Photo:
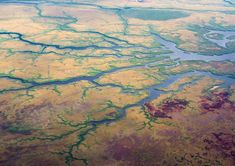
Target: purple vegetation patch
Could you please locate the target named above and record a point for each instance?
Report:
(216, 101)
(168, 106)
(136, 151)
(223, 143)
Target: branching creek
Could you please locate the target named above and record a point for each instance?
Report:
(90, 125)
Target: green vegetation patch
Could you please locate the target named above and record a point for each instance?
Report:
(215, 36)
(19, 129)
(153, 14)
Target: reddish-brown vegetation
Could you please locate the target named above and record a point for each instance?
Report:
(215, 101)
(223, 143)
(166, 107)
(136, 150)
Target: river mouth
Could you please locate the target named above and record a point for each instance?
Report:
(153, 14)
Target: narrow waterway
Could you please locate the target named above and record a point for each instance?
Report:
(224, 37)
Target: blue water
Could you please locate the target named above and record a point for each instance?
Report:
(183, 55)
(226, 35)
(153, 93)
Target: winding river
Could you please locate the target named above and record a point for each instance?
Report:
(153, 91)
